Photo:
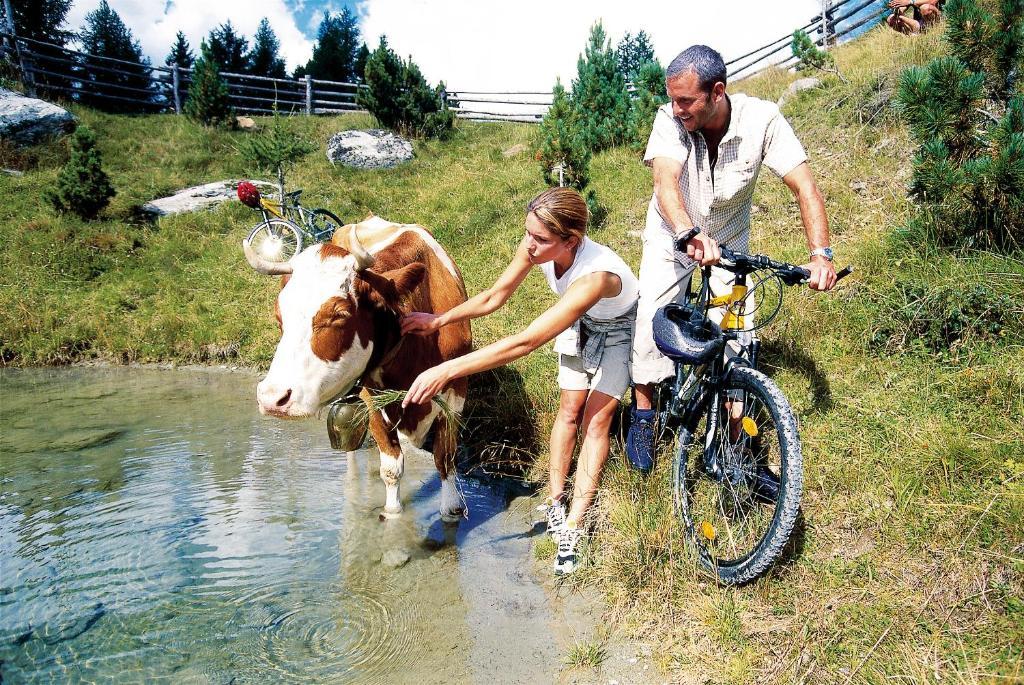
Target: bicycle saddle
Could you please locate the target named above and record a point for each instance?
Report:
(682, 333)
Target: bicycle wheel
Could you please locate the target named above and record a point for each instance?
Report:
(322, 224)
(276, 240)
(738, 477)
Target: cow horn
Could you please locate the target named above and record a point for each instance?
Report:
(262, 265)
(364, 260)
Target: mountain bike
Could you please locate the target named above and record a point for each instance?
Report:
(737, 475)
(287, 226)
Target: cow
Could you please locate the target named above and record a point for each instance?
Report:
(338, 310)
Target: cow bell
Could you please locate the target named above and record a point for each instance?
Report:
(346, 423)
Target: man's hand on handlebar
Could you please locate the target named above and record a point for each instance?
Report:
(702, 249)
(823, 274)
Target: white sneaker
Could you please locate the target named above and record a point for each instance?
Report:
(565, 559)
(556, 516)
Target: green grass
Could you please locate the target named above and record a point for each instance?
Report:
(908, 565)
(586, 654)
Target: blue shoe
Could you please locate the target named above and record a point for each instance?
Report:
(640, 440)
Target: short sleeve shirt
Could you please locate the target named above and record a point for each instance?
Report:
(758, 134)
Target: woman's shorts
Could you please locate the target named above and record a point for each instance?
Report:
(610, 377)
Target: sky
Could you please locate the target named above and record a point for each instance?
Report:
(471, 44)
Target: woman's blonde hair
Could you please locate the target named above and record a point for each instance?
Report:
(563, 211)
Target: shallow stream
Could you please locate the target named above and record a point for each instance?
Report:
(153, 527)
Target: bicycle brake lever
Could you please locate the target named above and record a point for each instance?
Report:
(844, 272)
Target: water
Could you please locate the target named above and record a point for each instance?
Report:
(153, 527)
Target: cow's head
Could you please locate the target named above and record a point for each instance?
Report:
(328, 308)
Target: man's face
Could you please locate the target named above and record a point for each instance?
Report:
(690, 104)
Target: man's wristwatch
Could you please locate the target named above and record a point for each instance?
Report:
(825, 252)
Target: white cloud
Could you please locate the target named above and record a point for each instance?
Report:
(155, 24)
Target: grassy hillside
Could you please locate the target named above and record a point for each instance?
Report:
(908, 565)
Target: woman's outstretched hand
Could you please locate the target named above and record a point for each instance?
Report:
(427, 384)
(420, 323)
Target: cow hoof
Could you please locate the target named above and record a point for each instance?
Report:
(452, 516)
(389, 514)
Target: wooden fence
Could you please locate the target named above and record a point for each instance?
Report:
(51, 69)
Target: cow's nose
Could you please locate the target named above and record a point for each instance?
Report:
(273, 398)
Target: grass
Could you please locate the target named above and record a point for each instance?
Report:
(586, 654)
(908, 563)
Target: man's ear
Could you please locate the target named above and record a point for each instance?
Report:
(387, 290)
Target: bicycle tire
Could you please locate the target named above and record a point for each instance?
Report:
(702, 498)
(276, 240)
(322, 224)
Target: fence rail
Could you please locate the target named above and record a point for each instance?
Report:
(79, 76)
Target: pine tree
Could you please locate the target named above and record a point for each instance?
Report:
(400, 98)
(181, 53)
(360, 66)
(650, 95)
(208, 101)
(82, 185)
(276, 149)
(564, 159)
(105, 35)
(43, 20)
(632, 53)
(264, 60)
(811, 57)
(967, 113)
(334, 56)
(229, 49)
(599, 100)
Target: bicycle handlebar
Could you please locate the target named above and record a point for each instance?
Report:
(741, 262)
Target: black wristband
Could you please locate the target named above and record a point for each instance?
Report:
(686, 237)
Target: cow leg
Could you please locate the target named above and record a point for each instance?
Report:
(392, 463)
(453, 506)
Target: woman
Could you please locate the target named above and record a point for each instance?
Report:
(593, 320)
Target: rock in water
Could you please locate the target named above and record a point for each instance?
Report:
(371, 149)
(395, 558)
(26, 120)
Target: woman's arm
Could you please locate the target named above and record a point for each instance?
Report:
(581, 296)
(481, 304)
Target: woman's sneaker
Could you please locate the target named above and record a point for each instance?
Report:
(565, 560)
(555, 509)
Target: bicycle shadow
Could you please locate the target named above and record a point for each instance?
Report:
(777, 354)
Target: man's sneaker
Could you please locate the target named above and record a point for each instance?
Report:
(555, 509)
(766, 485)
(565, 559)
(640, 439)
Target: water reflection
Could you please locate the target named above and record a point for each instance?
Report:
(152, 525)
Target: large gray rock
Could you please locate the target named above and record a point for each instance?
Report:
(26, 120)
(202, 197)
(795, 87)
(371, 149)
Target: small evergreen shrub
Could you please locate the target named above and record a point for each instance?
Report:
(810, 56)
(276, 148)
(599, 100)
(561, 146)
(401, 99)
(82, 186)
(966, 111)
(208, 101)
(650, 95)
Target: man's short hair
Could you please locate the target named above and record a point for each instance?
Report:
(702, 60)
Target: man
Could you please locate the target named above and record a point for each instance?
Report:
(923, 13)
(705, 152)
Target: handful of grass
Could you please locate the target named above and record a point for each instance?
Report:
(379, 399)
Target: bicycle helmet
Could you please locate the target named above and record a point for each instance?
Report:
(681, 332)
(249, 194)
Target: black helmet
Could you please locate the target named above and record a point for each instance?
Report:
(681, 332)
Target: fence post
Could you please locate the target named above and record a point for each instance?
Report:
(824, 23)
(309, 94)
(176, 80)
(23, 62)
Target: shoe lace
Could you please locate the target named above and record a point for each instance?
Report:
(567, 541)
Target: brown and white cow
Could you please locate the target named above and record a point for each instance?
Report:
(339, 310)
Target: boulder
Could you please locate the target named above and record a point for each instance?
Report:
(514, 150)
(797, 86)
(26, 120)
(370, 149)
(245, 123)
(202, 197)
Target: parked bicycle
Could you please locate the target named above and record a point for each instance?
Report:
(287, 226)
(737, 474)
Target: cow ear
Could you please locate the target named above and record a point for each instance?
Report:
(387, 289)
